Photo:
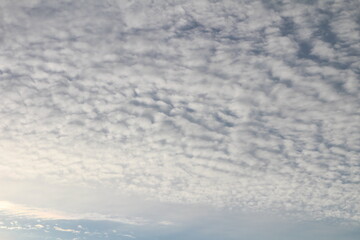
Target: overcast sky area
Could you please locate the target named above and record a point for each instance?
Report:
(196, 120)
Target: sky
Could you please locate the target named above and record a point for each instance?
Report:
(159, 120)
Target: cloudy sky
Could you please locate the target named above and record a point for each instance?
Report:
(154, 119)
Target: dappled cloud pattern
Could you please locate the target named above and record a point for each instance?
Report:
(238, 104)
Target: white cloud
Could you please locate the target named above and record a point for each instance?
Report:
(65, 229)
(39, 226)
(220, 103)
(129, 236)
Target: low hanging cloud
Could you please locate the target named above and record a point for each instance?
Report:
(236, 104)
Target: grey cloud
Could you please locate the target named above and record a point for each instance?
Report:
(238, 104)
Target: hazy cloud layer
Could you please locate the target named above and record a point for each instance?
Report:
(241, 104)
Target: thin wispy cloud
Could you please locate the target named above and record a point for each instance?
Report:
(22, 211)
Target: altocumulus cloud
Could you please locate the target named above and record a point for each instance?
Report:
(238, 104)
